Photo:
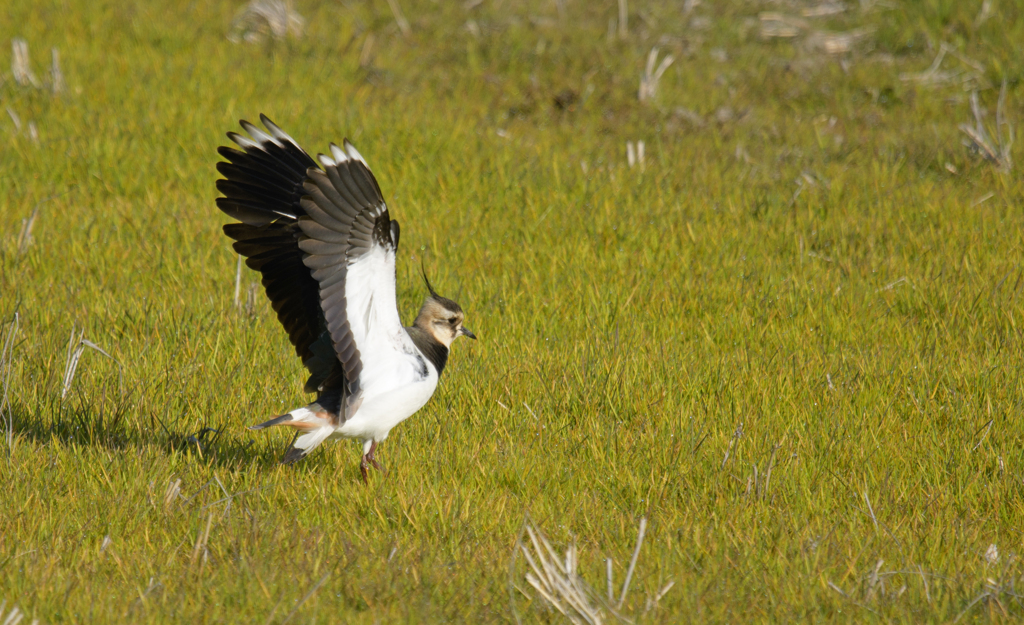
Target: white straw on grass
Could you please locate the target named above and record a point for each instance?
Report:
(608, 578)
(14, 617)
(25, 236)
(996, 150)
(555, 579)
(306, 597)
(871, 510)
(172, 494)
(57, 83)
(262, 17)
(71, 363)
(403, 24)
(14, 118)
(20, 66)
(664, 591)
(250, 298)
(632, 562)
(652, 75)
(238, 281)
(75, 351)
(635, 154)
(6, 366)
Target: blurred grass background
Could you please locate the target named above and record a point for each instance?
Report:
(789, 339)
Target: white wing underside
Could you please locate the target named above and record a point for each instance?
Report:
(390, 359)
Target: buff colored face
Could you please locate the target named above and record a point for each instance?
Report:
(442, 318)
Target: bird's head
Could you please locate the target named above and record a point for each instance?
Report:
(441, 318)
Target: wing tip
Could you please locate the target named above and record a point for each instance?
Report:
(353, 153)
(339, 155)
(242, 141)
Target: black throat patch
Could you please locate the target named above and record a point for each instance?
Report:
(434, 351)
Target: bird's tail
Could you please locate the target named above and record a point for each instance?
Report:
(314, 426)
(305, 443)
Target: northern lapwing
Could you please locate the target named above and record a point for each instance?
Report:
(326, 246)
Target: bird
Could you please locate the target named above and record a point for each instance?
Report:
(326, 246)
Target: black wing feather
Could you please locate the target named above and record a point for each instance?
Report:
(300, 228)
(344, 212)
(263, 189)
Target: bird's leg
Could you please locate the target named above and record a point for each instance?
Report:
(368, 460)
(362, 469)
(373, 461)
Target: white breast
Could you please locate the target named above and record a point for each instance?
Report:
(391, 398)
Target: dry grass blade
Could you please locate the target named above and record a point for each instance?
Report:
(838, 43)
(260, 18)
(972, 76)
(25, 235)
(635, 154)
(306, 597)
(6, 365)
(76, 347)
(984, 13)
(823, 10)
(737, 435)
(664, 591)
(57, 83)
(995, 150)
(778, 25)
(20, 65)
(14, 119)
(74, 353)
(14, 617)
(781, 26)
(403, 24)
(990, 595)
(251, 297)
(556, 581)
(652, 602)
(238, 282)
(651, 76)
(871, 510)
(202, 538)
(632, 563)
(172, 494)
(608, 579)
(366, 53)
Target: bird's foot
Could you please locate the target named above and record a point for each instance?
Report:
(367, 461)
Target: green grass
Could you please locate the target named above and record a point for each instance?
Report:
(798, 390)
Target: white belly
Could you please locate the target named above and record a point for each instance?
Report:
(385, 406)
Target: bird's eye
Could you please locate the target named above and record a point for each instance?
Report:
(452, 320)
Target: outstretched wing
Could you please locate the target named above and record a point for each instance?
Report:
(350, 243)
(262, 188)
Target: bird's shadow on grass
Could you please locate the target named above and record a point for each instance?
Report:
(79, 421)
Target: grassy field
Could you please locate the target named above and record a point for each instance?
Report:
(790, 339)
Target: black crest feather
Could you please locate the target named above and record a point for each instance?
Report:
(430, 288)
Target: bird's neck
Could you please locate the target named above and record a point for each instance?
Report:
(432, 349)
